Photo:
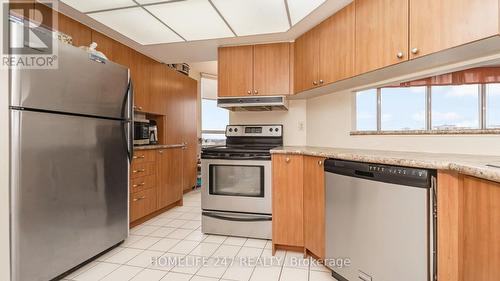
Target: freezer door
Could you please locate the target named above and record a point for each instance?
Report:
(80, 85)
(69, 191)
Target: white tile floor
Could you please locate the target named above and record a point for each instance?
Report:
(175, 240)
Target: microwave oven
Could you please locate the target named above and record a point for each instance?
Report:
(141, 132)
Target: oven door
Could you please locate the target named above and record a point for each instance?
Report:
(236, 185)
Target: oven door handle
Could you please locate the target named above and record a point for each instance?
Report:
(237, 218)
(236, 157)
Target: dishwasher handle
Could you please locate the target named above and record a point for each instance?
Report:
(407, 176)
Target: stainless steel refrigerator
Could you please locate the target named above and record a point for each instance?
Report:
(70, 144)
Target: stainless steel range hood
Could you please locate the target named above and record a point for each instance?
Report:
(268, 103)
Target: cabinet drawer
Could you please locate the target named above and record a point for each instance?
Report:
(143, 156)
(142, 204)
(142, 183)
(142, 170)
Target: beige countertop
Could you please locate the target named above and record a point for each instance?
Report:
(473, 165)
(158, 146)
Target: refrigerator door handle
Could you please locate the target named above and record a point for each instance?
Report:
(128, 117)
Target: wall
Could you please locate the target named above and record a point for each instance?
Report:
(329, 121)
(294, 121)
(4, 169)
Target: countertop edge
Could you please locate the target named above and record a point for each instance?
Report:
(471, 169)
(158, 146)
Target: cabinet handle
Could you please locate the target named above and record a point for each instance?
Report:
(400, 55)
(136, 107)
(160, 151)
(255, 92)
(139, 199)
(321, 81)
(315, 83)
(139, 184)
(139, 157)
(139, 171)
(414, 51)
(287, 160)
(320, 163)
(249, 92)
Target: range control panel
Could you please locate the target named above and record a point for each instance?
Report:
(254, 131)
(389, 170)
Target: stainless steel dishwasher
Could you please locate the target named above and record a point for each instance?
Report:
(381, 219)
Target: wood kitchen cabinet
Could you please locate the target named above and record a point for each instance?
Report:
(81, 34)
(271, 69)
(262, 70)
(381, 33)
(235, 71)
(288, 200)
(468, 228)
(439, 25)
(314, 206)
(325, 54)
(190, 135)
(169, 176)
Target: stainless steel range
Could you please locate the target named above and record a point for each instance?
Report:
(236, 189)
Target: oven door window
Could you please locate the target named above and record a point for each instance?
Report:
(231, 180)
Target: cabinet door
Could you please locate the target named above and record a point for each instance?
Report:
(439, 25)
(272, 69)
(113, 50)
(174, 107)
(306, 61)
(381, 33)
(169, 176)
(141, 73)
(336, 46)
(235, 66)
(314, 205)
(158, 89)
(288, 215)
(81, 34)
(190, 135)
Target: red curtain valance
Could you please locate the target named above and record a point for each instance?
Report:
(480, 75)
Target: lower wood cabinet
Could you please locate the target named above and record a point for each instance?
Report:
(169, 176)
(155, 181)
(299, 203)
(314, 206)
(288, 200)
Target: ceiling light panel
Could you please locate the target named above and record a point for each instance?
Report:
(299, 9)
(255, 16)
(138, 25)
(192, 19)
(97, 5)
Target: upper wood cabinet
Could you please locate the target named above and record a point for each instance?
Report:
(271, 69)
(81, 34)
(235, 71)
(325, 54)
(438, 25)
(314, 205)
(381, 33)
(288, 201)
(254, 70)
(306, 60)
(336, 46)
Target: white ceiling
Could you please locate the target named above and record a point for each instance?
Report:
(192, 20)
(174, 31)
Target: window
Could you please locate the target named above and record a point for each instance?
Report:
(402, 108)
(438, 108)
(493, 106)
(455, 107)
(366, 110)
(213, 122)
(213, 119)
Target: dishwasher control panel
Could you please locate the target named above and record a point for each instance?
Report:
(390, 170)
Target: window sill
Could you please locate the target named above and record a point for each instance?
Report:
(427, 132)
